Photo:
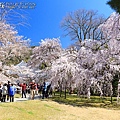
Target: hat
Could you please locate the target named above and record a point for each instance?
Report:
(33, 81)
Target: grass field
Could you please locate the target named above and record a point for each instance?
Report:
(50, 110)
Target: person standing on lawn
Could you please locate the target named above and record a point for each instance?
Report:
(12, 92)
(5, 92)
(44, 88)
(8, 88)
(1, 99)
(23, 90)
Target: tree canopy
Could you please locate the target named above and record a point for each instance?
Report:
(114, 4)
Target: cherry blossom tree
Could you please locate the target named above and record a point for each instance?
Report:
(20, 72)
(94, 66)
(48, 51)
(99, 60)
(11, 44)
(13, 47)
(111, 29)
(54, 63)
(64, 70)
(44, 55)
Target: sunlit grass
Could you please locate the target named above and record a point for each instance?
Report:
(49, 110)
(17, 95)
(71, 108)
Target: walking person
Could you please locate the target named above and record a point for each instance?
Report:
(12, 92)
(33, 88)
(5, 92)
(37, 88)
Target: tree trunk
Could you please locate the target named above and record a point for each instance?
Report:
(60, 90)
(111, 94)
(118, 95)
(65, 92)
(88, 93)
(101, 93)
(65, 89)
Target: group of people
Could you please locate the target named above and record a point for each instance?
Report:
(46, 90)
(43, 89)
(7, 92)
(31, 88)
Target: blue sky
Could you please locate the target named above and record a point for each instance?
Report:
(45, 18)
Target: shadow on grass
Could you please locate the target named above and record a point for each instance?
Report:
(95, 101)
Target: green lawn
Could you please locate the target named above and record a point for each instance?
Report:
(50, 110)
(72, 108)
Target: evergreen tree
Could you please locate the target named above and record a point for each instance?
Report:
(114, 4)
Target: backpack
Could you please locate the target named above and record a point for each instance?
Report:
(33, 86)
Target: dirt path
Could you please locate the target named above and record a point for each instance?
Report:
(25, 99)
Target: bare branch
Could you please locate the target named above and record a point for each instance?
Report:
(82, 24)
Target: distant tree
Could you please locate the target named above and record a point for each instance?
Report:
(114, 4)
(83, 24)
